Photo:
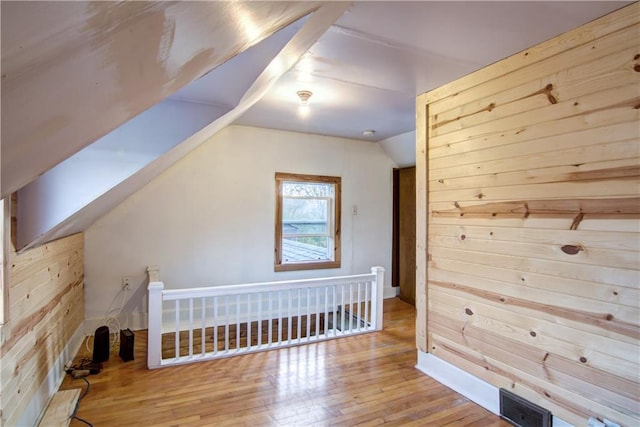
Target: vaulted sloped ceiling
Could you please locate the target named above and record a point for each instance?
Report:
(85, 187)
(73, 71)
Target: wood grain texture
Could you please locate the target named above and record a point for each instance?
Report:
(586, 69)
(361, 380)
(46, 307)
(533, 222)
(60, 408)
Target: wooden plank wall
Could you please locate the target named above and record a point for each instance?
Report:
(46, 307)
(532, 188)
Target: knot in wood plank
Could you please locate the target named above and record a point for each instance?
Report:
(571, 249)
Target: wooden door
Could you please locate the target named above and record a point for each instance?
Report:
(404, 233)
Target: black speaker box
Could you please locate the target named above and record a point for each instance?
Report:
(101, 345)
(126, 344)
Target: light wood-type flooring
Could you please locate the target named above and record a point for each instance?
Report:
(362, 380)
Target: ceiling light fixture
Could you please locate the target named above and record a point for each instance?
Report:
(368, 132)
(304, 96)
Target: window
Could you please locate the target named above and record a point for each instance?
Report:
(307, 222)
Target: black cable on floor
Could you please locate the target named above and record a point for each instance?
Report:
(75, 410)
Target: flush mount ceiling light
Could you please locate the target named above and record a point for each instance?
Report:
(368, 132)
(304, 96)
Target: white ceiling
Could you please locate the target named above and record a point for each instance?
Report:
(366, 70)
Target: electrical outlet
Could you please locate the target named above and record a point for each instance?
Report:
(125, 283)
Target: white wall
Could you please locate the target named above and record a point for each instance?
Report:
(209, 219)
(72, 184)
(401, 148)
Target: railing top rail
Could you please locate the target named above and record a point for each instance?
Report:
(173, 294)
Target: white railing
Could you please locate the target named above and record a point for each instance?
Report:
(190, 325)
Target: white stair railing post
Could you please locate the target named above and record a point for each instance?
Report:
(377, 296)
(154, 334)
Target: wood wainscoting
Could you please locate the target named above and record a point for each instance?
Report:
(528, 215)
(46, 309)
(361, 380)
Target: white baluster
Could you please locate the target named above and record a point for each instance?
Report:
(238, 322)
(215, 325)
(350, 307)
(259, 319)
(190, 327)
(289, 317)
(342, 308)
(317, 310)
(270, 332)
(279, 317)
(249, 316)
(299, 323)
(203, 313)
(177, 337)
(335, 310)
(308, 314)
(226, 323)
(326, 311)
(359, 309)
(367, 285)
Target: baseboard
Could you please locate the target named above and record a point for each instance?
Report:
(36, 407)
(133, 321)
(470, 386)
(390, 292)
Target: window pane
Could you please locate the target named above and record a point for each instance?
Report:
(303, 189)
(305, 216)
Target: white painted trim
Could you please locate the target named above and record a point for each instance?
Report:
(38, 404)
(390, 292)
(134, 321)
(471, 387)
